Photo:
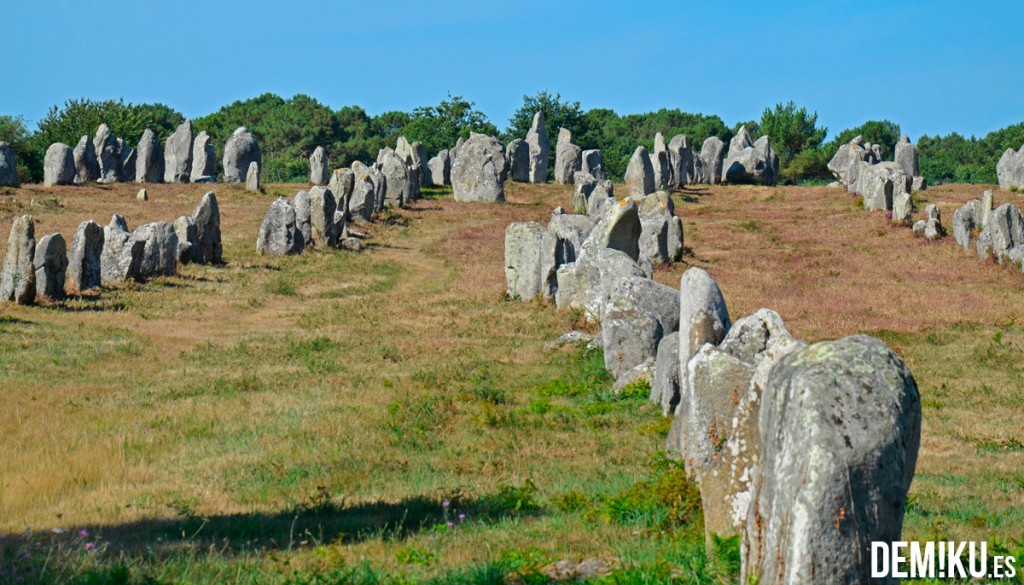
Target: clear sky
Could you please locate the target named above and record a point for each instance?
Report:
(933, 67)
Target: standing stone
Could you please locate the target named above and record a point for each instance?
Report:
(204, 160)
(59, 165)
(440, 169)
(303, 217)
(619, 228)
(240, 151)
(318, 172)
(906, 157)
(703, 318)
(680, 159)
(540, 149)
(639, 176)
(252, 177)
(362, 203)
(568, 158)
(108, 156)
(208, 248)
(160, 253)
(965, 221)
(86, 166)
(453, 152)
(178, 154)
(128, 160)
(322, 206)
(342, 184)
(478, 171)
(397, 180)
(518, 155)
(18, 278)
(661, 235)
(711, 159)
(666, 369)
(593, 163)
(660, 162)
(750, 161)
(524, 260)
(986, 207)
(902, 209)
(149, 163)
(142, 195)
(279, 234)
(8, 170)
(51, 266)
(1003, 232)
(188, 239)
(639, 312)
(840, 427)
(86, 251)
(115, 235)
(1010, 169)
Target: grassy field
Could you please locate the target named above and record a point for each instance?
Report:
(386, 416)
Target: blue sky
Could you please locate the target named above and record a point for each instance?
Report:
(933, 67)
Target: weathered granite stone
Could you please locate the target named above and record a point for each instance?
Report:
(149, 162)
(108, 156)
(592, 162)
(178, 154)
(240, 151)
(639, 312)
(440, 169)
(204, 160)
(18, 277)
(84, 268)
(252, 177)
(478, 171)
(208, 248)
(160, 252)
(86, 165)
(188, 239)
(51, 265)
(568, 158)
(59, 165)
(279, 235)
(8, 166)
(711, 159)
(639, 176)
(540, 149)
(322, 206)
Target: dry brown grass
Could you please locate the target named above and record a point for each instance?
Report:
(417, 316)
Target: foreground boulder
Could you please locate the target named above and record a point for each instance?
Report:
(530, 261)
(8, 167)
(1010, 169)
(279, 235)
(86, 252)
(149, 160)
(18, 277)
(178, 154)
(240, 151)
(839, 429)
(478, 172)
(638, 314)
(639, 176)
(540, 149)
(51, 265)
(59, 165)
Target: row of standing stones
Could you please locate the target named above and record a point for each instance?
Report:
(184, 158)
(805, 452)
(109, 254)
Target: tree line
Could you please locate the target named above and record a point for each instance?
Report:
(288, 130)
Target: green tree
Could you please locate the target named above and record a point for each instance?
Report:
(793, 132)
(439, 127)
(557, 114)
(881, 132)
(28, 160)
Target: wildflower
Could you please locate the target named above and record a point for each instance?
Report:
(89, 546)
(451, 524)
(83, 533)
(462, 516)
(446, 503)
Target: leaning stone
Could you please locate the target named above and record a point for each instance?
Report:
(204, 160)
(279, 235)
(178, 154)
(86, 251)
(619, 228)
(18, 277)
(840, 429)
(59, 165)
(240, 152)
(51, 265)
